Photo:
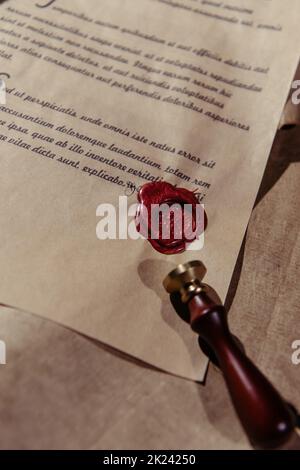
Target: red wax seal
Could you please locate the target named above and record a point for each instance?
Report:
(169, 217)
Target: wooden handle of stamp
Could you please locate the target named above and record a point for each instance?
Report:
(264, 415)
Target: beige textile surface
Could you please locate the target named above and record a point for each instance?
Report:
(62, 390)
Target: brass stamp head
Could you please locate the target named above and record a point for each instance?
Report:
(186, 279)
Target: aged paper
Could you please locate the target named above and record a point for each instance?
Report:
(105, 96)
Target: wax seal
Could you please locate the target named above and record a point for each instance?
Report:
(170, 218)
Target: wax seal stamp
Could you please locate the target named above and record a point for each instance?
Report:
(269, 422)
(169, 217)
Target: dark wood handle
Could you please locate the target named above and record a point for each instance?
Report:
(265, 416)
